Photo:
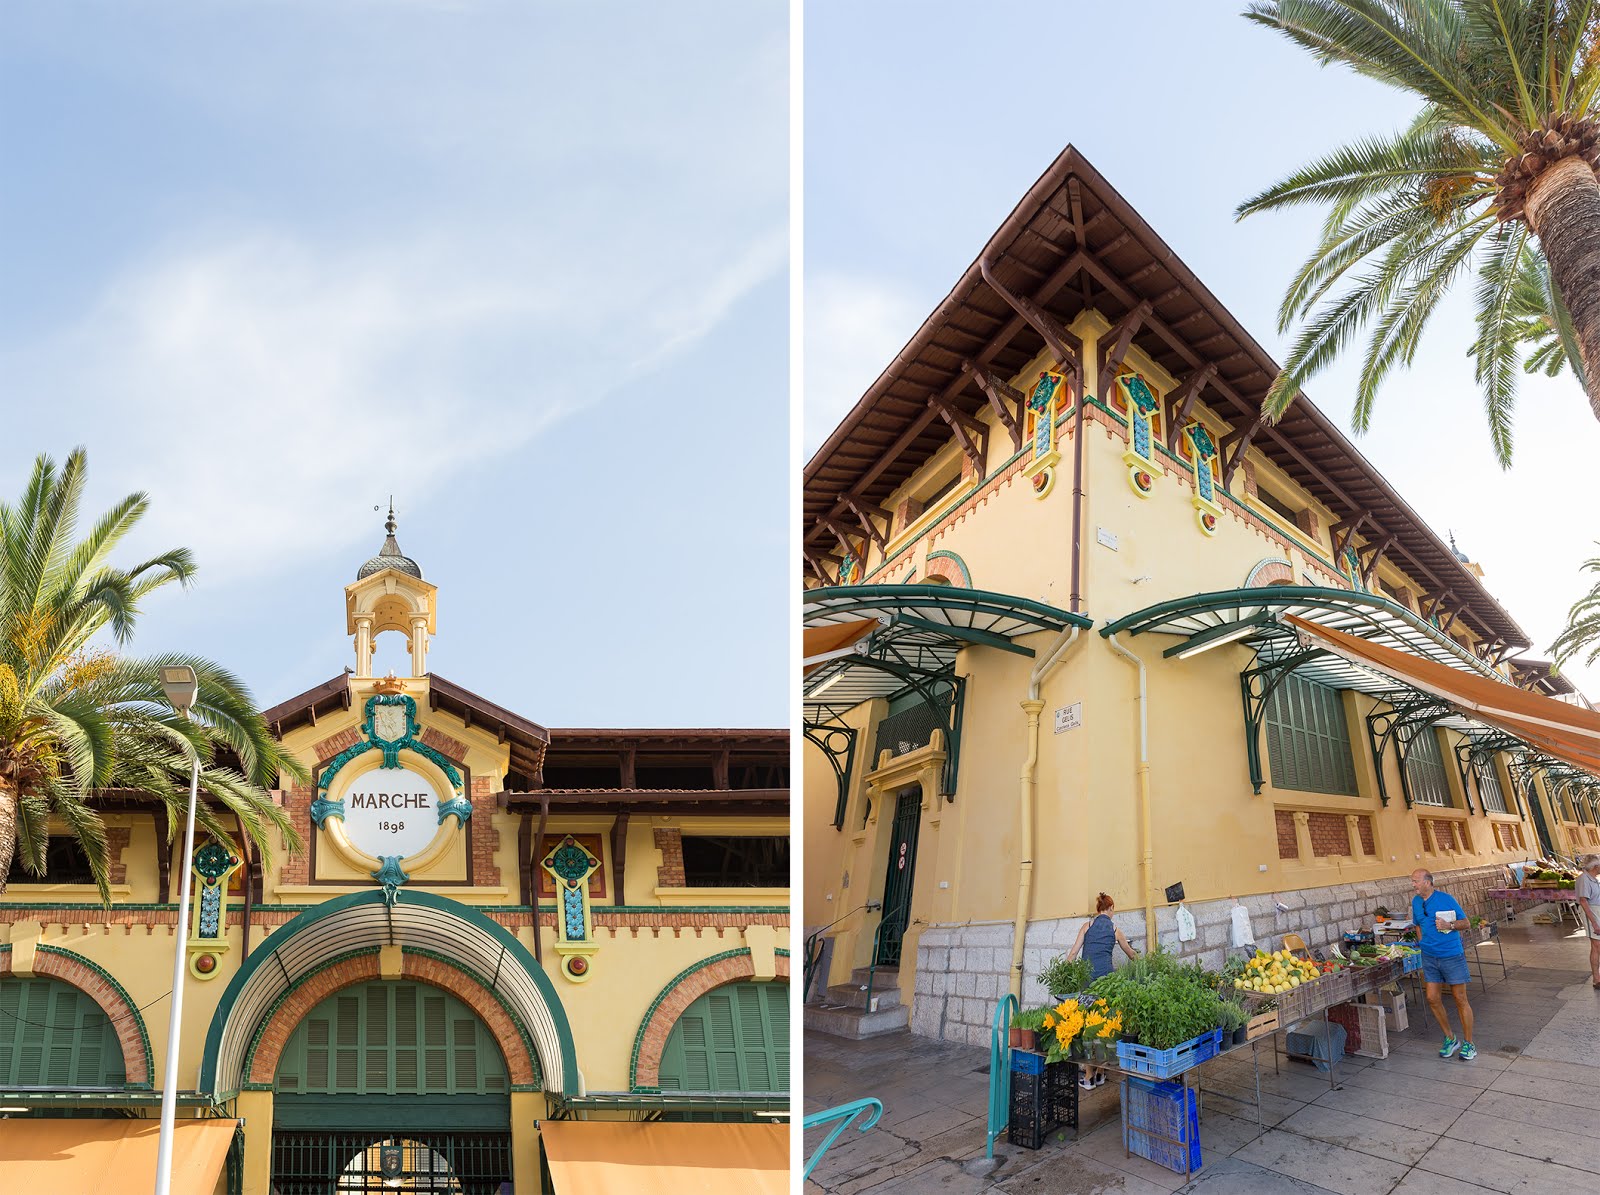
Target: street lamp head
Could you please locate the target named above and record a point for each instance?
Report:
(181, 686)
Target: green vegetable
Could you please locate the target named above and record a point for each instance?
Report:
(1062, 977)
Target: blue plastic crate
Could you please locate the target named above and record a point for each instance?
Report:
(1027, 1062)
(1153, 1118)
(1163, 1064)
(1410, 963)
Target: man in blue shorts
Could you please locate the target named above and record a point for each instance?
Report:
(1444, 960)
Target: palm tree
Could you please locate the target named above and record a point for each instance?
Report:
(1582, 633)
(77, 719)
(1540, 320)
(1499, 162)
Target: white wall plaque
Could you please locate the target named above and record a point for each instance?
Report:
(1069, 717)
(391, 811)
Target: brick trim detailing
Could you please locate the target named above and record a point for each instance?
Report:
(329, 747)
(674, 1000)
(296, 869)
(55, 963)
(1270, 572)
(1368, 843)
(274, 1035)
(670, 873)
(632, 918)
(117, 840)
(1330, 835)
(452, 749)
(949, 566)
(483, 835)
(1288, 847)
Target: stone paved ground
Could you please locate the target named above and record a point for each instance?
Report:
(1523, 1118)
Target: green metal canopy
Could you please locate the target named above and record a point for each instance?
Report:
(1254, 618)
(921, 628)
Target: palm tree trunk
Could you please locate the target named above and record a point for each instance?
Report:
(1563, 208)
(8, 829)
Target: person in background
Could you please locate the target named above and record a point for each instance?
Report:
(1440, 918)
(1589, 903)
(1097, 940)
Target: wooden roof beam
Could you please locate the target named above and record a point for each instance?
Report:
(1181, 401)
(972, 436)
(1006, 400)
(1344, 530)
(1233, 446)
(865, 512)
(1374, 553)
(1116, 344)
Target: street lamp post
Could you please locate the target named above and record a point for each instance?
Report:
(182, 687)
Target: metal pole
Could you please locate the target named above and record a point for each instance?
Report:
(169, 1085)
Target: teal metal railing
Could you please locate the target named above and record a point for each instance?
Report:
(813, 946)
(887, 920)
(1000, 1070)
(844, 1114)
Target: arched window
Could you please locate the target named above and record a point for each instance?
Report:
(734, 1038)
(392, 1039)
(53, 1035)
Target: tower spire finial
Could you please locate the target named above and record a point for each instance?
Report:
(389, 523)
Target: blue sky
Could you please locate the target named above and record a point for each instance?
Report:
(926, 122)
(522, 265)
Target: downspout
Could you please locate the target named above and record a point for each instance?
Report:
(1147, 864)
(1032, 707)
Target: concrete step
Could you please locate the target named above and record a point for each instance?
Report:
(853, 1023)
(885, 977)
(855, 996)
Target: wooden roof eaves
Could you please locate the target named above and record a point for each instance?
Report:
(1441, 569)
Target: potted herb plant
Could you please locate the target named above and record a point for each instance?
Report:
(1025, 1027)
(1064, 977)
(1231, 1019)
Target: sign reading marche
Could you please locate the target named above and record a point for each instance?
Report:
(391, 811)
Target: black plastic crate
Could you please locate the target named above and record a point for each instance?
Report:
(1041, 1104)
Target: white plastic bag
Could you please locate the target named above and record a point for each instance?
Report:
(1243, 935)
(1186, 930)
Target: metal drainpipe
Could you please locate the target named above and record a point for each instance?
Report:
(1032, 707)
(1147, 865)
(538, 845)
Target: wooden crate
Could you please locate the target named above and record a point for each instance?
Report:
(1261, 1025)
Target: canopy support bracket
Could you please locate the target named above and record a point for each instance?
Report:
(1256, 686)
(838, 746)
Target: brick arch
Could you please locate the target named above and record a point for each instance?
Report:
(950, 567)
(52, 962)
(1270, 571)
(685, 988)
(261, 1066)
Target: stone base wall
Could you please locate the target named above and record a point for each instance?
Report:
(963, 970)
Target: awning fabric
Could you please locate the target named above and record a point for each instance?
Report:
(81, 1156)
(617, 1157)
(824, 643)
(1568, 732)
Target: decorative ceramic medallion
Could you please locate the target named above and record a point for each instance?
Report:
(570, 864)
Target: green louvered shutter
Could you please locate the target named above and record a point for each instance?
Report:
(1308, 742)
(53, 1035)
(392, 1039)
(1425, 769)
(735, 1038)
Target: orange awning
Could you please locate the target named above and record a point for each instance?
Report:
(822, 643)
(629, 1157)
(1568, 732)
(80, 1156)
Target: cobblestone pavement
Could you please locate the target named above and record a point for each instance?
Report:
(1522, 1118)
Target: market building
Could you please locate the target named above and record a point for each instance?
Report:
(1079, 620)
(511, 958)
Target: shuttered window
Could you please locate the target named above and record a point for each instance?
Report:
(1489, 791)
(392, 1039)
(734, 1038)
(1308, 742)
(53, 1035)
(1425, 770)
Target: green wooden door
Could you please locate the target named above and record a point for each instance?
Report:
(53, 1035)
(897, 882)
(378, 1056)
(734, 1038)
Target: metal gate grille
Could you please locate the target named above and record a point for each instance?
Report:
(431, 1163)
(897, 882)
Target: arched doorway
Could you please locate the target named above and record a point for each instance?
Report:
(733, 1038)
(391, 1085)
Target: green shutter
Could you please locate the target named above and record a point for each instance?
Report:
(53, 1035)
(1425, 769)
(735, 1038)
(392, 1039)
(1308, 742)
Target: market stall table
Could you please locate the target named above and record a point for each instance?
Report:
(1564, 899)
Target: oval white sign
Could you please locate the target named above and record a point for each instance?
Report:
(391, 811)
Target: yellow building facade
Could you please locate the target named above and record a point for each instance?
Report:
(497, 932)
(1052, 557)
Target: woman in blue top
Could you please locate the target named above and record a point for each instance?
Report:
(1097, 939)
(1444, 960)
